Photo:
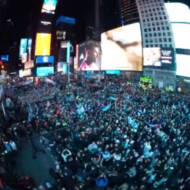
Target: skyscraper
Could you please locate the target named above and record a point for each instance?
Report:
(152, 15)
(128, 11)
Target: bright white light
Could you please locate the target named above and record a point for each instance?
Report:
(122, 48)
(183, 65)
(178, 12)
(181, 34)
(152, 56)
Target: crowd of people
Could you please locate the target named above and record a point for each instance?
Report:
(109, 134)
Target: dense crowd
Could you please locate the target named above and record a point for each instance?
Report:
(109, 134)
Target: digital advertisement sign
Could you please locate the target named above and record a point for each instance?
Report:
(181, 33)
(152, 56)
(44, 71)
(113, 72)
(4, 58)
(49, 6)
(44, 59)
(183, 65)
(43, 44)
(25, 49)
(178, 12)
(167, 56)
(122, 48)
(62, 67)
(25, 73)
(89, 56)
(66, 20)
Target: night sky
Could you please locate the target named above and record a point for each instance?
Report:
(20, 18)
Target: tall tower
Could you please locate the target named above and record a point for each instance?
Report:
(128, 11)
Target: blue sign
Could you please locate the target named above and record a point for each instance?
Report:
(66, 20)
(4, 58)
(113, 72)
(44, 71)
(44, 59)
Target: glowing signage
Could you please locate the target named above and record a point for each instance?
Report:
(44, 71)
(43, 44)
(49, 6)
(44, 59)
(122, 48)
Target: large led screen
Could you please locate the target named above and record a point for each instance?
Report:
(4, 58)
(62, 67)
(44, 71)
(89, 56)
(44, 60)
(183, 65)
(49, 6)
(25, 73)
(167, 56)
(151, 56)
(43, 44)
(178, 12)
(122, 48)
(181, 33)
(25, 49)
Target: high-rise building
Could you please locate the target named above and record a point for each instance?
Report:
(152, 15)
(128, 11)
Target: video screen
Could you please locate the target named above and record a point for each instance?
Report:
(25, 49)
(89, 56)
(152, 56)
(49, 6)
(62, 67)
(183, 65)
(122, 48)
(25, 73)
(181, 33)
(44, 71)
(66, 20)
(178, 12)
(4, 58)
(43, 44)
(113, 72)
(167, 56)
(45, 60)
(29, 64)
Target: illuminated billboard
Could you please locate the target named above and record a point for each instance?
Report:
(25, 73)
(113, 72)
(181, 33)
(44, 59)
(44, 71)
(49, 6)
(25, 49)
(178, 12)
(43, 44)
(62, 67)
(152, 56)
(179, 16)
(122, 48)
(66, 20)
(167, 56)
(183, 65)
(89, 56)
(4, 58)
